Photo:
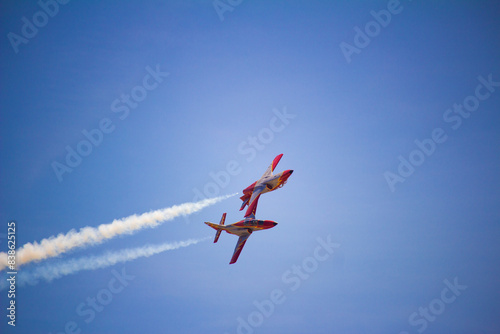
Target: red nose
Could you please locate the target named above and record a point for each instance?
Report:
(287, 173)
(269, 223)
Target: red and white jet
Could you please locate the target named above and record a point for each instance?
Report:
(268, 182)
(243, 229)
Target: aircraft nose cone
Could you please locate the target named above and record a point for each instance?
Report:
(270, 223)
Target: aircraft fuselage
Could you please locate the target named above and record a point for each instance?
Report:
(269, 183)
(247, 226)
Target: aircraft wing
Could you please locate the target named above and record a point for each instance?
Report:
(272, 166)
(239, 246)
(252, 203)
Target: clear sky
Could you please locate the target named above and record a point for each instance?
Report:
(388, 112)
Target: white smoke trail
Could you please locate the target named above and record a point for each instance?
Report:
(49, 272)
(57, 245)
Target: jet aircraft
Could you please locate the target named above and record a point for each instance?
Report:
(268, 182)
(243, 229)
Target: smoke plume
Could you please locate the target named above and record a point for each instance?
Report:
(49, 272)
(62, 243)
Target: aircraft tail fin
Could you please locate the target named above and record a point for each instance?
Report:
(222, 219)
(217, 235)
(245, 201)
(218, 227)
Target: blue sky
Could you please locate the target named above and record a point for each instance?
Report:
(240, 87)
